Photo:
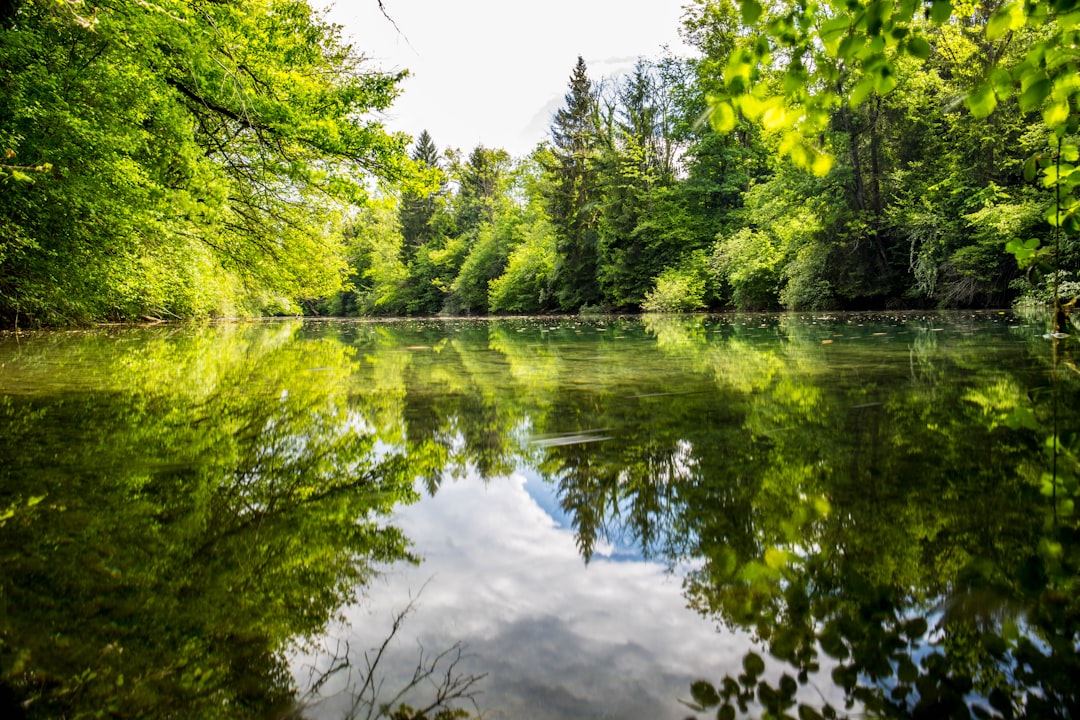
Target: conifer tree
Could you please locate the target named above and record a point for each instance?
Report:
(417, 209)
(572, 192)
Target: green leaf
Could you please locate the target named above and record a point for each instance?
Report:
(941, 11)
(1022, 251)
(906, 671)
(916, 628)
(919, 48)
(860, 92)
(833, 31)
(1032, 98)
(1056, 113)
(1002, 81)
(851, 46)
(1021, 417)
(753, 664)
(751, 11)
(722, 118)
(704, 694)
(1069, 20)
(981, 102)
(1030, 169)
(1007, 18)
(821, 164)
(1070, 153)
(776, 558)
(885, 81)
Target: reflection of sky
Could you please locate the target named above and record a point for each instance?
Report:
(557, 638)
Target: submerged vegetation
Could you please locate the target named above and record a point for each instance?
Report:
(175, 158)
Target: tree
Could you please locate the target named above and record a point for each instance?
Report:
(418, 208)
(835, 57)
(573, 192)
(193, 156)
(481, 184)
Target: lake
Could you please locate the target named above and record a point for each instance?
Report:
(822, 515)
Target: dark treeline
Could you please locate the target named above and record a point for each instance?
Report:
(188, 159)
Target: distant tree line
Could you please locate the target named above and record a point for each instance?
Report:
(637, 202)
(183, 159)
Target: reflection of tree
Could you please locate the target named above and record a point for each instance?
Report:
(165, 556)
(448, 396)
(899, 537)
(875, 509)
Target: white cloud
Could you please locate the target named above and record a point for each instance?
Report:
(481, 68)
(557, 638)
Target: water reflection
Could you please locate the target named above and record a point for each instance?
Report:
(860, 509)
(174, 511)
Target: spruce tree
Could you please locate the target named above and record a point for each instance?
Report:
(416, 209)
(573, 194)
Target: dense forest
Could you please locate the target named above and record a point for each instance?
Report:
(187, 158)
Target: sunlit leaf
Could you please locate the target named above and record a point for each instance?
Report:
(775, 115)
(722, 118)
(981, 101)
(821, 164)
(1021, 250)
(776, 558)
(1056, 113)
(1007, 18)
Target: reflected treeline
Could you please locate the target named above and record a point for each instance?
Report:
(176, 507)
(875, 498)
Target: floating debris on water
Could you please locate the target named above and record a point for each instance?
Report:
(571, 438)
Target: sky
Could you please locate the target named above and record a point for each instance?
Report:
(557, 638)
(493, 72)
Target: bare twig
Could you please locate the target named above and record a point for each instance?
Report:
(438, 677)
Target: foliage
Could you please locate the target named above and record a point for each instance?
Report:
(572, 193)
(679, 289)
(523, 286)
(378, 280)
(195, 153)
(828, 489)
(188, 185)
(225, 505)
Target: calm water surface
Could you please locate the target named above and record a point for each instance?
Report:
(664, 517)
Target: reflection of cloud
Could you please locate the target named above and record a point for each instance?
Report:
(557, 638)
